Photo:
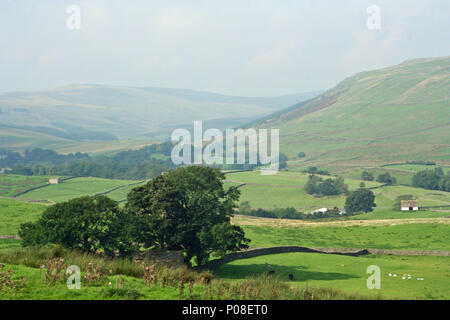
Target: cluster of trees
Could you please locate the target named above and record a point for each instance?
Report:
(279, 213)
(286, 213)
(433, 179)
(327, 187)
(387, 179)
(186, 209)
(382, 178)
(315, 170)
(361, 200)
(88, 224)
(143, 163)
(367, 176)
(38, 156)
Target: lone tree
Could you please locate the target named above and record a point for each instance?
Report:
(187, 209)
(362, 200)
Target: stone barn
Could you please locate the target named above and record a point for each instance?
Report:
(410, 205)
(53, 180)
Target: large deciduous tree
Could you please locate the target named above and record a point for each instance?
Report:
(187, 209)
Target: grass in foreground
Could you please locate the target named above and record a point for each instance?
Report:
(124, 279)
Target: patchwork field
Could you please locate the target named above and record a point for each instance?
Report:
(286, 189)
(11, 184)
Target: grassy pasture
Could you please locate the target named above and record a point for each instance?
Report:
(14, 213)
(348, 274)
(78, 187)
(402, 176)
(413, 236)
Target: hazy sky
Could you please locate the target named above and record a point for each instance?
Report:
(241, 47)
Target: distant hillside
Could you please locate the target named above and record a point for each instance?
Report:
(388, 115)
(98, 112)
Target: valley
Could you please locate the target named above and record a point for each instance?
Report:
(390, 122)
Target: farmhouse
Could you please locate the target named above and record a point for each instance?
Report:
(410, 205)
(53, 180)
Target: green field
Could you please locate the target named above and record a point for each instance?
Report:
(419, 236)
(14, 213)
(79, 187)
(348, 274)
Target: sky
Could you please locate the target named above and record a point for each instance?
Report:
(238, 47)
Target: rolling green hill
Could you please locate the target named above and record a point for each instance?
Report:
(376, 117)
(61, 115)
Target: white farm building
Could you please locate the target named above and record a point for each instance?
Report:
(410, 205)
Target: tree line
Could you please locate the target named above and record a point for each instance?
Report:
(143, 163)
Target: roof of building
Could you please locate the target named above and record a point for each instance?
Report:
(410, 203)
